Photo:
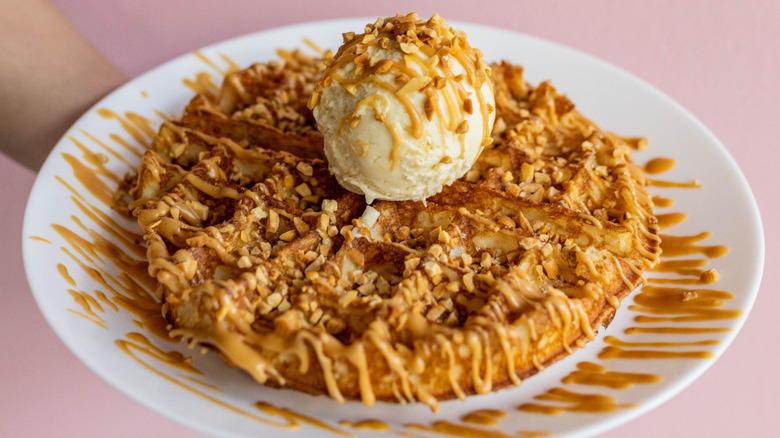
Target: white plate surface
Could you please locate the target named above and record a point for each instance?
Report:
(614, 99)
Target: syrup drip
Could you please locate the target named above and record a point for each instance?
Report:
(135, 150)
(87, 302)
(136, 125)
(64, 273)
(681, 267)
(617, 342)
(562, 400)
(589, 373)
(485, 417)
(670, 184)
(682, 304)
(105, 147)
(622, 353)
(658, 201)
(675, 330)
(659, 165)
(135, 345)
(674, 246)
(670, 219)
(232, 66)
(371, 424)
(202, 84)
(459, 430)
(295, 419)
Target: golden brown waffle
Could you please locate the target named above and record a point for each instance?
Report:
(262, 255)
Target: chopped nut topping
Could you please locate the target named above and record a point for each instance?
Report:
(468, 107)
(272, 223)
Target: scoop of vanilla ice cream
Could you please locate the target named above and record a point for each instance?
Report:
(405, 108)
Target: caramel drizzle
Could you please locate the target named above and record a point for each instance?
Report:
(659, 201)
(674, 246)
(676, 304)
(312, 45)
(370, 424)
(294, 418)
(89, 179)
(589, 373)
(87, 302)
(135, 150)
(618, 343)
(232, 66)
(485, 417)
(461, 430)
(623, 353)
(693, 305)
(202, 84)
(670, 219)
(671, 184)
(127, 289)
(569, 401)
(136, 345)
(136, 125)
(453, 93)
(675, 330)
(682, 304)
(64, 273)
(682, 267)
(128, 238)
(105, 147)
(659, 165)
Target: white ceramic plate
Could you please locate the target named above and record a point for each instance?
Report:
(223, 404)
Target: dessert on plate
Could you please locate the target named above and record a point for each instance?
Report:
(502, 228)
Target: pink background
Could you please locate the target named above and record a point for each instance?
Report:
(718, 59)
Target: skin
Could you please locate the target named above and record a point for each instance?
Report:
(50, 75)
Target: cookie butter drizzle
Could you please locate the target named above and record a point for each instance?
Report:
(130, 289)
(655, 305)
(427, 48)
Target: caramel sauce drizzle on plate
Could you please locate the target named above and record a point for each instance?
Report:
(660, 201)
(569, 401)
(654, 304)
(486, 417)
(589, 373)
(659, 165)
(460, 430)
(136, 346)
(63, 270)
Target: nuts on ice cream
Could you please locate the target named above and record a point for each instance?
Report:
(405, 108)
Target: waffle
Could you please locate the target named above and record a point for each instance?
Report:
(260, 254)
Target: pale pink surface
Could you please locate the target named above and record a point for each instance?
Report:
(718, 59)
